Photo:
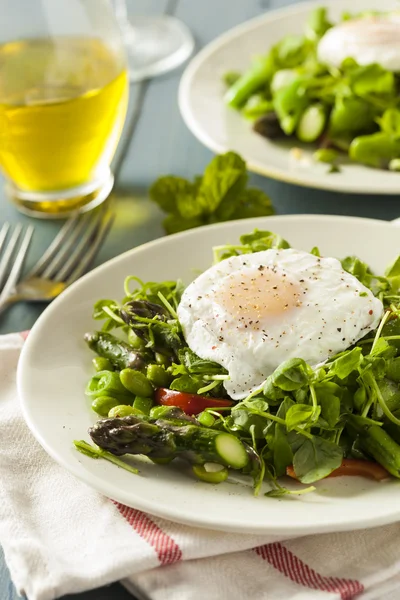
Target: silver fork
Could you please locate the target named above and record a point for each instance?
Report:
(67, 258)
(13, 257)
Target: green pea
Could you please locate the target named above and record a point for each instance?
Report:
(161, 412)
(217, 476)
(206, 419)
(136, 383)
(106, 383)
(162, 359)
(122, 411)
(143, 405)
(103, 404)
(102, 364)
(326, 155)
(135, 341)
(158, 376)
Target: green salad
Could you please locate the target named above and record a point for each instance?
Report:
(348, 110)
(155, 397)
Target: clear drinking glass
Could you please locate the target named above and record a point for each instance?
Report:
(63, 100)
(154, 45)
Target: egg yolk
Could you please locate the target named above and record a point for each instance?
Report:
(259, 294)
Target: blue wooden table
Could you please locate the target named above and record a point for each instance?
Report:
(155, 142)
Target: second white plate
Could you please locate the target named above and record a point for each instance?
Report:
(221, 128)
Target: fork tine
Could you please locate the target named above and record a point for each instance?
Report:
(65, 248)
(54, 247)
(3, 234)
(82, 247)
(7, 256)
(18, 264)
(96, 243)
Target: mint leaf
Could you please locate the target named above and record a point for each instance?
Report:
(224, 179)
(165, 191)
(252, 203)
(219, 195)
(175, 223)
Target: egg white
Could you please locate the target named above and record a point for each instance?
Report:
(252, 312)
(367, 40)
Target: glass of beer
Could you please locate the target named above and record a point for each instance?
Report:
(63, 100)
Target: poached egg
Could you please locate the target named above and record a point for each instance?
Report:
(250, 313)
(367, 40)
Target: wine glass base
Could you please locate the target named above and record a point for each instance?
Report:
(61, 205)
(156, 45)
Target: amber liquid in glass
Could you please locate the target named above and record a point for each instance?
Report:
(62, 107)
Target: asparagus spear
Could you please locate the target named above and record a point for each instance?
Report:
(119, 353)
(175, 435)
(376, 442)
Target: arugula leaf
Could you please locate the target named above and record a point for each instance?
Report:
(220, 194)
(316, 458)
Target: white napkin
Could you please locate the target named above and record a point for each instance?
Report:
(61, 537)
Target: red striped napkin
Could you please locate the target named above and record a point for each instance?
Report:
(60, 537)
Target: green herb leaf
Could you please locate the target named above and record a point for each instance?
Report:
(372, 80)
(389, 123)
(315, 459)
(346, 364)
(224, 179)
(219, 195)
(290, 375)
(166, 190)
(263, 240)
(329, 395)
(299, 414)
(282, 452)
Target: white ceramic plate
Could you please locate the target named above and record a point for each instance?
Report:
(221, 128)
(55, 366)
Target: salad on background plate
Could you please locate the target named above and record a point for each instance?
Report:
(336, 86)
(273, 362)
